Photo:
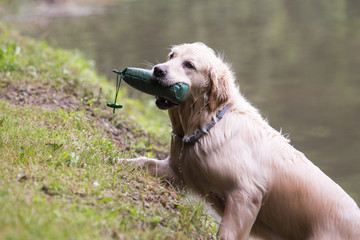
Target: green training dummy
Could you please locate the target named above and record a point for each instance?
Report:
(141, 79)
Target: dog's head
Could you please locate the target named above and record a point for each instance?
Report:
(199, 67)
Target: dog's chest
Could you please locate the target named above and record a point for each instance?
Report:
(201, 168)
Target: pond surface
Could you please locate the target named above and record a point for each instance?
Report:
(297, 61)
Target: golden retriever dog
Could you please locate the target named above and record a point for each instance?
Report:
(223, 149)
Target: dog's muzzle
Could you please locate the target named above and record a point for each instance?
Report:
(160, 75)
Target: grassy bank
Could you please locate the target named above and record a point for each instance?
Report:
(60, 177)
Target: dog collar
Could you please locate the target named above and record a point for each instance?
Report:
(201, 132)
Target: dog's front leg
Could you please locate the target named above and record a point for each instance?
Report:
(157, 168)
(239, 215)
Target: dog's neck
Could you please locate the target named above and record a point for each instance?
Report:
(192, 119)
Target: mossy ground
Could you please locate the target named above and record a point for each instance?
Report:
(60, 174)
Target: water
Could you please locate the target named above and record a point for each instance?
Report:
(297, 61)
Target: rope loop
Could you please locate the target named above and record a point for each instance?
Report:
(119, 76)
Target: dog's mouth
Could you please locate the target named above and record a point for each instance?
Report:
(160, 102)
(164, 104)
(162, 79)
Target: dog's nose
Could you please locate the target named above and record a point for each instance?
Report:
(160, 71)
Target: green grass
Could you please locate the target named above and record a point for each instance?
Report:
(28, 61)
(60, 174)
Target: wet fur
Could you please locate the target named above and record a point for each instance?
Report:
(249, 173)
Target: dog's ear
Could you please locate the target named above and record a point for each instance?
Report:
(220, 77)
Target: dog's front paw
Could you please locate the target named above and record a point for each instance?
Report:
(138, 162)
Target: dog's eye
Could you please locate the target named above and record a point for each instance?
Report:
(189, 65)
(171, 55)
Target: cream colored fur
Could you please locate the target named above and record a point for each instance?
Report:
(256, 181)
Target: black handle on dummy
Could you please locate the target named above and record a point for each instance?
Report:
(114, 105)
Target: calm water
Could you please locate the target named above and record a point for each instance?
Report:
(297, 61)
